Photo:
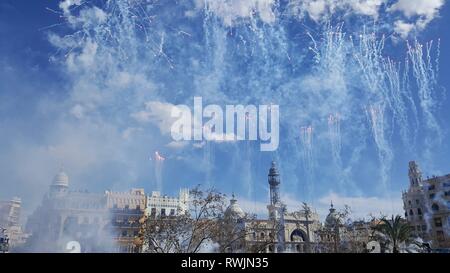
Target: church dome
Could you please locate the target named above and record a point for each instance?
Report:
(234, 211)
(332, 219)
(61, 179)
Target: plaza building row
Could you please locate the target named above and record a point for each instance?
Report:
(98, 222)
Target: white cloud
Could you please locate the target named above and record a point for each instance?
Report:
(128, 133)
(77, 111)
(157, 113)
(424, 10)
(86, 16)
(403, 28)
(427, 8)
(177, 144)
(232, 10)
(319, 10)
(67, 4)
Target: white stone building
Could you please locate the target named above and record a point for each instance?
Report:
(163, 205)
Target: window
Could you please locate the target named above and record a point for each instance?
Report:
(124, 233)
(138, 207)
(438, 222)
(262, 235)
(446, 184)
(163, 212)
(435, 207)
(411, 213)
(153, 213)
(447, 193)
(424, 227)
(172, 212)
(432, 196)
(127, 207)
(432, 187)
(419, 211)
(417, 201)
(440, 235)
(409, 202)
(448, 206)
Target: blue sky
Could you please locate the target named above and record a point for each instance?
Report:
(86, 86)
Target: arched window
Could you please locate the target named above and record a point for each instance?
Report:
(435, 207)
(262, 235)
(419, 211)
(411, 213)
(298, 236)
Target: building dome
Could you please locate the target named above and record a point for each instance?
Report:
(332, 219)
(61, 179)
(234, 211)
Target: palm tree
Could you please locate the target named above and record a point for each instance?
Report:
(396, 230)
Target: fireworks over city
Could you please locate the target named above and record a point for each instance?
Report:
(361, 86)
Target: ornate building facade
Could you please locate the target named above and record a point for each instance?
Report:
(10, 226)
(64, 216)
(283, 231)
(427, 207)
(337, 235)
(100, 222)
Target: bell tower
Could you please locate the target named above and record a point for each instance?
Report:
(276, 207)
(274, 183)
(415, 175)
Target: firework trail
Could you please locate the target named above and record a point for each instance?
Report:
(247, 164)
(159, 165)
(334, 133)
(306, 141)
(424, 71)
(351, 69)
(376, 118)
(208, 157)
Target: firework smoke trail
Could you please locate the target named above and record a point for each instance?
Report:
(351, 71)
(208, 156)
(424, 72)
(159, 165)
(247, 168)
(208, 161)
(306, 141)
(398, 98)
(376, 118)
(334, 133)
